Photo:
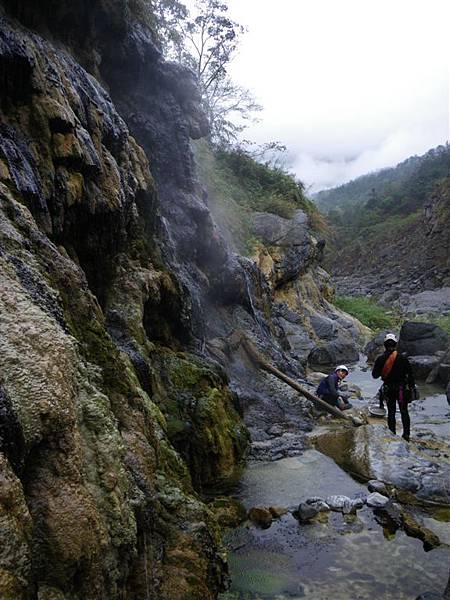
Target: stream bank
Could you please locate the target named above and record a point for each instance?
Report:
(362, 555)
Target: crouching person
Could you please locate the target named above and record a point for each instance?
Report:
(328, 389)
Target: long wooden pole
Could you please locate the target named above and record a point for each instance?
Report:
(266, 366)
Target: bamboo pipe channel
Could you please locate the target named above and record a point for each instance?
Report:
(262, 363)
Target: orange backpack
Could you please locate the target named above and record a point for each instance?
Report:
(387, 368)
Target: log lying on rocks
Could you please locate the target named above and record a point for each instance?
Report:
(262, 363)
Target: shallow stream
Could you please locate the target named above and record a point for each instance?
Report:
(346, 556)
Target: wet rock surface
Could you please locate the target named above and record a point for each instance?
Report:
(418, 339)
(376, 500)
(305, 512)
(83, 309)
(333, 352)
(335, 556)
(124, 390)
(375, 485)
(260, 515)
(373, 452)
(131, 394)
(422, 366)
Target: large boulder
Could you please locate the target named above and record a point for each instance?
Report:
(334, 352)
(377, 500)
(443, 370)
(423, 365)
(419, 339)
(324, 328)
(373, 452)
(289, 246)
(274, 230)
(298, 339)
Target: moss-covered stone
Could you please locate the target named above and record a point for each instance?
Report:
(102, 498)
(229, 511)
(202, 420)
(414, 529)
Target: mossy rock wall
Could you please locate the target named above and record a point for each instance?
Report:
(95, 502)
(203, 420)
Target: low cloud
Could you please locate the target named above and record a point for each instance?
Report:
(348, 87)
(320, 173)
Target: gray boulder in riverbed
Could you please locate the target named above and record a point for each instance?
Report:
(376, 500)
(344, 504)
(334, 352)
(305, 512)
(337, 502)
(420, 339)
(423, 365)
(375, 485)
(318, 503)
(373, 452)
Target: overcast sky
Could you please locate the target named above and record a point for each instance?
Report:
(349, 86)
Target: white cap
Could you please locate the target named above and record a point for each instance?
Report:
(390, 336)
(342, 368)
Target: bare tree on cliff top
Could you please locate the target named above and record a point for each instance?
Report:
(169, 14)
(206, 42)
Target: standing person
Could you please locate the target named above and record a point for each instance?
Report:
(398, 382)
(328, 389)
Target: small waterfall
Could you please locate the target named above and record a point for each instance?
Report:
(260, 322)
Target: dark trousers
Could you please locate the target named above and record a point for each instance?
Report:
(329, 399)
(392, 398)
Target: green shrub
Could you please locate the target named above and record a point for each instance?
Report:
(443, 322)
(367, 311)
(267, 188)
(238, 186)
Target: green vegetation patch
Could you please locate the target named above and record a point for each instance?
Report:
(379, 208)
(367, 311)
(268, 189)
(238, 186)
(443, 322)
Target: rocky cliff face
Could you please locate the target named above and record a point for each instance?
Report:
(96, 502)
(289, 255)
(121, 385)
(411, 269)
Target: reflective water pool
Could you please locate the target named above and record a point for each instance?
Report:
(347, 557)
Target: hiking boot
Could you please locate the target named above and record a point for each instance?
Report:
(405, 437)
(346, 406)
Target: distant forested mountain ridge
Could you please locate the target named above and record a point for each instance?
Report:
(397, 190)
(392, 227)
